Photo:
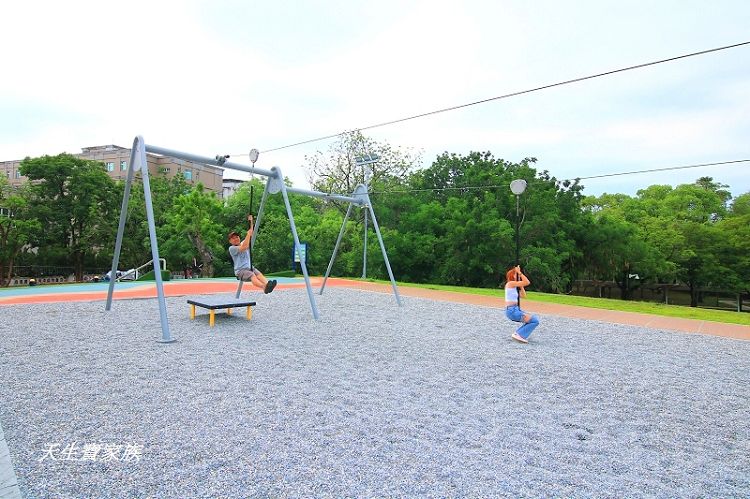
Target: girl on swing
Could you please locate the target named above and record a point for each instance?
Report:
(515, 285)
(243, 267)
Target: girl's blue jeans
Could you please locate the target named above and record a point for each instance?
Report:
(515, 314)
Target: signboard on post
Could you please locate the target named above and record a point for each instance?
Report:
(301, 253)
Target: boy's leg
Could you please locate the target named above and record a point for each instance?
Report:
(260, 276)
(268, 285)
(257, 282)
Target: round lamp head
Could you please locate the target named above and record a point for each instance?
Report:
(254, 155)
(518, 186)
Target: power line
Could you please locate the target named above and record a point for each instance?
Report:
(505, 185)
(513, 94)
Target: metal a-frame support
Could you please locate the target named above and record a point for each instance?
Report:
(138, 162)
(360, 193)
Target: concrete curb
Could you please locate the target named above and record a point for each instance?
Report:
(8, 482)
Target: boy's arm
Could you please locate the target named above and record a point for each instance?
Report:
(245, 244)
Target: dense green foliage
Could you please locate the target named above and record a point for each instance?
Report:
(451, 223)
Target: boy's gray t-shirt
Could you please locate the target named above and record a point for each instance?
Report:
(241, 258)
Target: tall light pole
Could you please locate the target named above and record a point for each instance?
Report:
(364, 161)
(517, 187)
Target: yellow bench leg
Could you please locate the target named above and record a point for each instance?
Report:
(192, 312)
(229, 311)
(212, 318)
(249, 312)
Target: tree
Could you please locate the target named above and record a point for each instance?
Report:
(472, 217)
(17, 227)
(741, 205)
(136, 240)
(76, 199)
(732, 251)
(665, 233)
(196, 218)
(718, 188)
(340, 169)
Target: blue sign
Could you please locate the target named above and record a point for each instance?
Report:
(302, 251)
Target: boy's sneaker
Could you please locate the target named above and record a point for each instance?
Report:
(268, 288)
(519, 338)
(273, 285)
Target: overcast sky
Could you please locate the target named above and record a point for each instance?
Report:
(210, 77)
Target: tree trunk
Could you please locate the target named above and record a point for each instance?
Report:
(10, 270)
(207, 256)
(7, 275)
(693, 295)
(624, 286)
(78, 270)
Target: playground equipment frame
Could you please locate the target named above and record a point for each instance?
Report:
(274, 184)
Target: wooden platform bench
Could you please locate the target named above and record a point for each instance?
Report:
(214, 304)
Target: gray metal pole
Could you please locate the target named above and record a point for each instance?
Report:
(316, 194)
(137, 143)
(165, 336)
(207, 161)
(336, 248)
(364, 251)
(382, 248)
(313, 305)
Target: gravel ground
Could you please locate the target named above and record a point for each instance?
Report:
(431, 399)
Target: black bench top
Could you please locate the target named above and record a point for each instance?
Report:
(223, 302)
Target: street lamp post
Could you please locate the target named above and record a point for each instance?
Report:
(517, 187)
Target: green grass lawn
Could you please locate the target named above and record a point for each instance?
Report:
(683, 312)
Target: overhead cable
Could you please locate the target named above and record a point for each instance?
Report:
(512, 94)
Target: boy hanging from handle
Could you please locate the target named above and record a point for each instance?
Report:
(241, 253)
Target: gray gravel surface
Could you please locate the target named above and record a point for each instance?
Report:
(431, 399)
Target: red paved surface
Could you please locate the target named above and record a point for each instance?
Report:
(199, 287)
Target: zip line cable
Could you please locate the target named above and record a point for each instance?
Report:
(665, 169)
(513, 94)
(505, 186)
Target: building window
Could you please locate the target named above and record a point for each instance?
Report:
(110, 167)
(123, 165)
(18, 174)
(164, 169)
(188, 175)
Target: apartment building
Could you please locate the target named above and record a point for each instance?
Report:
(116, 158)
(230, 186)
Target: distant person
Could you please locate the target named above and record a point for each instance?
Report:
(243, 268)
(515, 284)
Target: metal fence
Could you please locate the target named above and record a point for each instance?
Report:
(672, 294)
